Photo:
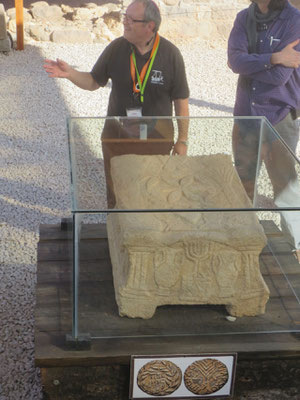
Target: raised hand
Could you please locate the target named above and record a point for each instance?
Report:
(57, 69)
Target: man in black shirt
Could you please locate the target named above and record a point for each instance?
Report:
(148, 77)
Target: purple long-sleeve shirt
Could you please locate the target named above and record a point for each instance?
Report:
(274, 89)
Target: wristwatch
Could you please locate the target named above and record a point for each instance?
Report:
(184, 142)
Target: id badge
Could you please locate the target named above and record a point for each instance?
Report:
(134, 112)
(143, 132)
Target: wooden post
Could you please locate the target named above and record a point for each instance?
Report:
(20, 24)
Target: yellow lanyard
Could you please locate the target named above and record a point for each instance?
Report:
(142, 78)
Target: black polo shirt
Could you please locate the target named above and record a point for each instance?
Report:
(167, 80)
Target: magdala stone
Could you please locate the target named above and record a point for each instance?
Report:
(184, 257)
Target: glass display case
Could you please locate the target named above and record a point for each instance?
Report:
(183, 244)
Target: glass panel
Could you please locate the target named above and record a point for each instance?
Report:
(64, 276)
(77, 227)
(245, 268)
(246, 140)
(238, 176)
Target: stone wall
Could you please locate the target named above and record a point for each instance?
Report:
(77, 21)
(208, 20)
(97, 22)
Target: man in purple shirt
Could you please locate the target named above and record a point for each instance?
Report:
(264, 49)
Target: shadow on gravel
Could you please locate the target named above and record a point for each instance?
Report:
(213, 106)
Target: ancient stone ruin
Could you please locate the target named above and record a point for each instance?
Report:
(100, 22)
(76, 21)
(184, 257)
(5, 40)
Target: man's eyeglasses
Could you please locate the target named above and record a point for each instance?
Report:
(131, 20)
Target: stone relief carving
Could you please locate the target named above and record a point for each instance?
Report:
(205, 376)
(184, 257)
(159, 378)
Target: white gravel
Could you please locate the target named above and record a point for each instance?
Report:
(34, 175)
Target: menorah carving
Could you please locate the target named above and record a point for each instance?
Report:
(178, 258)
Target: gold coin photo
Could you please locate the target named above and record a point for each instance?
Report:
(205, 376)
(159, 378)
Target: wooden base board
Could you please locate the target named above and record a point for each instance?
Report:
(123, 337)
(255, 379)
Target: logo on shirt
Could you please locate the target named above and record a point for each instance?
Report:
(157, 77)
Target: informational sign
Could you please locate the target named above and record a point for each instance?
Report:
(182, 376)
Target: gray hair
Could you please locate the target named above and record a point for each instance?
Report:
(152, 12)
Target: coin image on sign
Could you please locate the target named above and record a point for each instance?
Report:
(205, 376)
(159, 378)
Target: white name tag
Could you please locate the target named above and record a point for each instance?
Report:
(134, 112)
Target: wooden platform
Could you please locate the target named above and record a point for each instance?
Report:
(173, 329)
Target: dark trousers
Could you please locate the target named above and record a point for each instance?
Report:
(280, 164)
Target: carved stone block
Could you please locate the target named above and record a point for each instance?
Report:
(184, 257)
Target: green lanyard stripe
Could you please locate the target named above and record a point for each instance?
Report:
(142, 86)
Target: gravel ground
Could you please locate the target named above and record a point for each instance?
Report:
(34, 175)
